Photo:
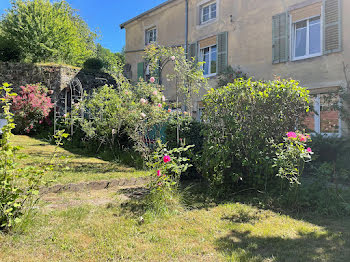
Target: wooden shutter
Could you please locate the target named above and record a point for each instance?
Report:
(332, 40)
(192, 51)
(280, 38)
(140, 70)
(222, 46)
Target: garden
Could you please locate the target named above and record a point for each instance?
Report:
(127, 175)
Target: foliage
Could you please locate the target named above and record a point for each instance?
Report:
(111, 62)
(137, 111)
(48, 32)
(241, 120)
(93, 64)
(166, 166)
(291, 156)
(229, 75)
(19, 187)
(30, 107)
(9, 51)
(187, 74)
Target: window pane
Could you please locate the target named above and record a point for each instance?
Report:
(154, 35)
(315, 37)
(205, 11)
(213, 60)
(213, 11)
(309, 120)
(329, 113)
(300, 42)
(206, 60)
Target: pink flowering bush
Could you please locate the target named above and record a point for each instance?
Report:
(166, 167)
(30, 107)
(291, 155)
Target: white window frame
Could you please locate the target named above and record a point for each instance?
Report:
(202, 22)
(317, 118)
(154, 29)
(293, 38)
(201, 59)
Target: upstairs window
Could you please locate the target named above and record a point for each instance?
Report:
(307, 38)
(151, 36)
(208, 12)
(208, 56)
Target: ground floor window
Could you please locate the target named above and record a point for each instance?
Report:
(208, 56)
(325, 118)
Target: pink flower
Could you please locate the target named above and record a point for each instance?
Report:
(185, 113)
(166, 159)
(302, 138)
(50, 92)
(173, 58)
(291, 135)
(152, 79)
(309, 150)
(155, 92)
(159, 105)
(159, 173)
(169, 110)
(143, 101)
(65, 115)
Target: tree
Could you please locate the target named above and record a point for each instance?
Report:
(48, 32)
(112, 62)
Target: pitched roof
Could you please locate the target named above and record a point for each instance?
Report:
(145, 13)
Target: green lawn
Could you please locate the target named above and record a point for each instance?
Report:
(99, 226)
(72, 168)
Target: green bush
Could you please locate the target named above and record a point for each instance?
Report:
(244, 122)
(9, 52)
(93, 64)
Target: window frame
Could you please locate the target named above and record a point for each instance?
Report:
(154, 29)
(317, 117)
(201, 60)
(293, 38)
(210, 19)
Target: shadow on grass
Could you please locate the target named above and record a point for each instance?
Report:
(305, 247)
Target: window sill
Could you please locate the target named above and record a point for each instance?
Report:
(209, 22)
(306, 57)
(210, 75)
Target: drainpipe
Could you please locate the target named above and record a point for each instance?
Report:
(186, 28)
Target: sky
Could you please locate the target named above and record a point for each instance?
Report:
(105, 16)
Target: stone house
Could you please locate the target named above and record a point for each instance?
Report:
(301, 39)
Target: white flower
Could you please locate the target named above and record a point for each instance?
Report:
(143, 115)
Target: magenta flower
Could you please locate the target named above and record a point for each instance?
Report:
(166, 159)
(159, 105)
(302, 138)
(152, 79)
(309, 150)
(159, 173)
(291, 135)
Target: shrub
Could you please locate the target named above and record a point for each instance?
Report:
(166, 167)
(230, 74)
(30, 107)
(93, 64)
(9, 51)
(244, 122)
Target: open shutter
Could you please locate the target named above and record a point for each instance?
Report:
(332, 41)
(280, 38)
(140, 70)
(222, 46)
(192, 51)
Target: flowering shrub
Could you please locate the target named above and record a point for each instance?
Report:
(166, 167)
(30, 107)
(241, 120)
(291, 156)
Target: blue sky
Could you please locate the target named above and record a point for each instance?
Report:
(105, 16)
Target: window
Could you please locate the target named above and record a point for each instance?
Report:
(208, 12)
(151, 36)
(208, 56)
(326, 117)
(307, 38)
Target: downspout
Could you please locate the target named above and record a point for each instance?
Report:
(186, 28)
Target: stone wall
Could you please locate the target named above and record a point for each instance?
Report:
(54, 77)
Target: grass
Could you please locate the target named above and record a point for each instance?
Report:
(70, 167)
(104, 230)
(103, 225)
